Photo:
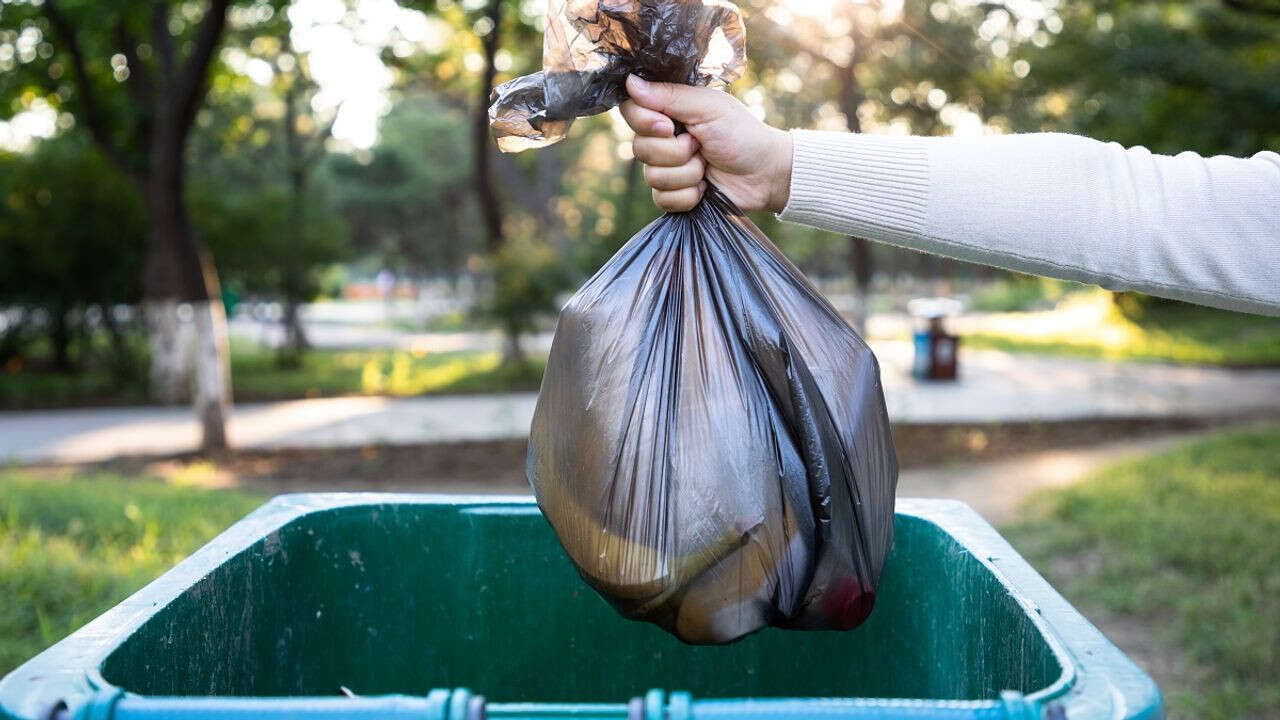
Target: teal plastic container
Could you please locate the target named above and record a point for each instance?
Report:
(462, 608)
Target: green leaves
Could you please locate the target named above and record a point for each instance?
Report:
(1171, 76)
(71, 232)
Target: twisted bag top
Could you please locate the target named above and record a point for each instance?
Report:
(710, 442)
(590, 47)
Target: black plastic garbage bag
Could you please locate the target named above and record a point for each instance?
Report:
(710, 442)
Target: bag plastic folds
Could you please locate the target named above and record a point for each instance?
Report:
(710, 442)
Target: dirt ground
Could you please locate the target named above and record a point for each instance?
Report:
(498, 467)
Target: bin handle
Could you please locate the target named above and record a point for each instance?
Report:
(462, 704)
(657, 705)
(681, 706)
(115, 704)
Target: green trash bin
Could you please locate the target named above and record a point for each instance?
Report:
(372, 605)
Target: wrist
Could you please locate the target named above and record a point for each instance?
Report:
(780, 174)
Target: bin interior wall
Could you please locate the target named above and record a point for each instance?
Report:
(409, 597)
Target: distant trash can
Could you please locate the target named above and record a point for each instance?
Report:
(936, 350)
(466, 608)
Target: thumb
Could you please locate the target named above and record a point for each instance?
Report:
(686, 103)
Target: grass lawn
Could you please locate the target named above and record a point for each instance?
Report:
(1185, 546)
(256, 376)
(73, 547)
(1088, 324)
(22, 388)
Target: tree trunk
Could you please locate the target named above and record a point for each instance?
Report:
(170, 377)
(60, 337)
(550, 172)
(860, 257)
(212, 373)
(627, 220)
(295, 337)
(482, 147)
(178, 270)
(293, 287)
(120, 363)
(13, 337)
(486, 193)
(860, 261)
(512, 352)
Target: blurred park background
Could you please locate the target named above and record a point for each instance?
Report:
(255, 247)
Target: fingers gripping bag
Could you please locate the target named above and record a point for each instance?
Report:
(710, 442)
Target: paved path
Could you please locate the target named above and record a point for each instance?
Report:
(994, 387)
(1002, 387)
(98, 434)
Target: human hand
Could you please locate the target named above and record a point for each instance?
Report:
(724, 144)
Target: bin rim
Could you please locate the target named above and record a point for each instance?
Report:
(1097, 680)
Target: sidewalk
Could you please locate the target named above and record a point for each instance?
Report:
(994, 387)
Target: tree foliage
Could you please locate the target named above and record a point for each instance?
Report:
(1172, 76)
(408, 201)
(70, 237)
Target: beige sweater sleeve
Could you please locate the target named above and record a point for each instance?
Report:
(1205, 230)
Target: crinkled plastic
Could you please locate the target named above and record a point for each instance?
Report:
(710, 443)
(590, 47)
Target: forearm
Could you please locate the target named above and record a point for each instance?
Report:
(1206, 230)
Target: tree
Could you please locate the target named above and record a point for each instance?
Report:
(410, 202)
(923, 68)
(134, 75)
(489, 28)
(259, 146)
(507, 192)
(1170, 76)
(71, 237)
(304, 140)
(528, 278)
(262, 241)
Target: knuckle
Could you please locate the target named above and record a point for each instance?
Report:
(663, 152)
(642, 149)
(690, 177)
(664, 93)
(675, 200)
(667, 181)
(652, 177)
(670, 201)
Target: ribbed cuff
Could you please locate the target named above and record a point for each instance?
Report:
(868, 185)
